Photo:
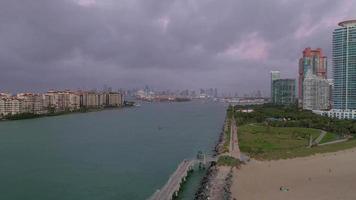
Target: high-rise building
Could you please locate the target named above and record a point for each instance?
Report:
(31, 103)
(114, 99)
(12, 106)
(331, 85)
(61, 100)
(344, 66)
(275, 75)
(344, 72)
(2, 107)
(284, 91)
(316, 92)
(315, 62)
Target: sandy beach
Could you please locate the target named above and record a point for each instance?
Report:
(330, 176)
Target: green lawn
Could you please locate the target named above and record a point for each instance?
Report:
(329, 137)
(265, 142)
(227, 133)
(228, 161)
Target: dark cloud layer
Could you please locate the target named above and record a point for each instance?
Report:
(229, 44)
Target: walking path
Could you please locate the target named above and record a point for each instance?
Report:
(234, 141)
(321, 136)
(334, 142)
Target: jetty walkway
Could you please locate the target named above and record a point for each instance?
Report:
(172, 187)
(234, 148)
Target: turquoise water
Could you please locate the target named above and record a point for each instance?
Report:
(189, 188)
(114, 154)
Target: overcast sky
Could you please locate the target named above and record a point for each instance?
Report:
(228, 44)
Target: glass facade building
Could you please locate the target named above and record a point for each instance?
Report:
(344, 66)
(275, 75)
(284, 91)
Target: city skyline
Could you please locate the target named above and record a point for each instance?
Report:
(180, 99)
(86, 43)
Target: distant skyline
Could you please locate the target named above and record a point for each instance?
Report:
(231, 45)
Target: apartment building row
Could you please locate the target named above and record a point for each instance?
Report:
(57, 101)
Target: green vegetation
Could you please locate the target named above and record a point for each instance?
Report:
(329, 137)
(32, 115)
(53, 112)
(228, 161)
(21, 116)
(265, 142)
(227, 132)
(278, 132)
(227, 128)
(291, 116)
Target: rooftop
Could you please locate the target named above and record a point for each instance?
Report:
(348, 23)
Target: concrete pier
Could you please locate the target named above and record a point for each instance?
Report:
(173, 185)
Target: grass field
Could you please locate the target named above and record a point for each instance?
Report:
(265, 142)
(227, 133)
(329, 137)
(228, 161)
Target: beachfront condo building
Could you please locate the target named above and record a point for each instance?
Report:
(313, 62)
(316, 92)
(114, 99)
(61, 100)
(11, 106)
(57, 101)
(344, 66)
(344, 72)
(2, 107)
(31, 103)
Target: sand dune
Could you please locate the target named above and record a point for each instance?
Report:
(330, 176)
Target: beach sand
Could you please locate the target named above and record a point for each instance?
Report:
(330, 176)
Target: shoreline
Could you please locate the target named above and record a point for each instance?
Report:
(211, 170)
(291, 171)
(216, 184)
(38, 116)
(324, 176)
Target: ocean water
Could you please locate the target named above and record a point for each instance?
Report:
(109, 155)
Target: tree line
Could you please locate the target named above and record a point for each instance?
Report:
(290, 116)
